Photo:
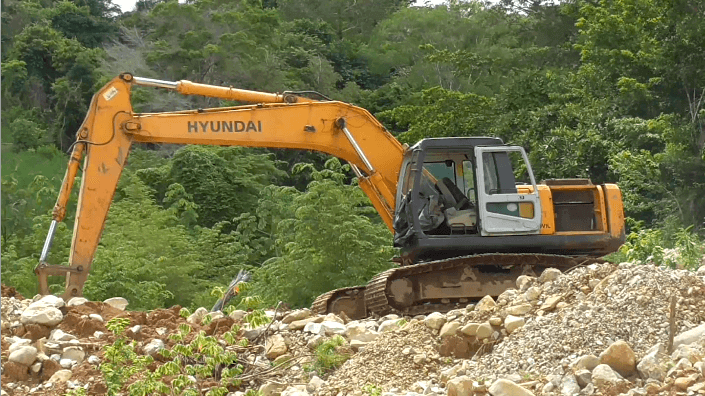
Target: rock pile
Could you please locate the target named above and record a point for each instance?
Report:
(598, 330)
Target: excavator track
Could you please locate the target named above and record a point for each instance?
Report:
(351, 300)
(449, 284)
(442, 285)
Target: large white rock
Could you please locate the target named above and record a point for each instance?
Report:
(460, 386)
(588, 362)
(74, 353)
(483, 331)
(237, 314)
(332, 328)
(117, 302)
(41, 313)
(435, 320)
(51, 301)
(272, 388)
(314, 384)
(96, 317)
(314, 328)
(301, 324)
(449, 373)
(503, 387)
(67, 363)
(650, 365)
(486, 304)
(253, 334)
(470, 329)
(74, 301)
(549, 275)
(153, 347)
(584, 377)
(551, 302)
(523, 282)
(359, 331)
(275, 347)
(331, 317)
(620, 357)
(690, 336)
(449, 329)
(700, 366)
(512, 323)
(569, 385)
(603, 375)
(295, 390)
(60, 376)
(389, 325)
(519, 310)
(355, 345)
(216, 315)
(532, 294)
(24, 355)
(59, 335)
(197, 316)
(297, 315)
(18, 343)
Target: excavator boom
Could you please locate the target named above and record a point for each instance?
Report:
(276, 121)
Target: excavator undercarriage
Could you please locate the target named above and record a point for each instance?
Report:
(440, 286)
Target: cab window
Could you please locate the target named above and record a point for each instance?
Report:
(441, 169)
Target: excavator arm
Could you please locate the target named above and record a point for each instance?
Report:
(276, 121)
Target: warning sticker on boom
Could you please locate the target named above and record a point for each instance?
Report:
(110, 94)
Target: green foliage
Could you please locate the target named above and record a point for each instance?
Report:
(330, 241)
(26, 134)
(202, 358)
(346, 18)
(146, 256)
(213, 184)
(257, 318)
(672, 246)
(329, 355)
(80, 391)
(120, 361)
(372, 390)
(443, 113)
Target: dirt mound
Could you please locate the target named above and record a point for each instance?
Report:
(9, 291)
(569, 318)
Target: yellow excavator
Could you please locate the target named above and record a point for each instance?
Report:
(466, 212)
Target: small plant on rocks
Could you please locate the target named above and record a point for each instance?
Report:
(76, 392)
(121, 361)
(372, 390)
(188, 364)
(329, 356)
(257, 318)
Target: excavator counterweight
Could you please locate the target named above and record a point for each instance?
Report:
(467, 213)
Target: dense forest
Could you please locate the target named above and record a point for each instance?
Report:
(613, 90)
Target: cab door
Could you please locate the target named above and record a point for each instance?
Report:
(507, 194)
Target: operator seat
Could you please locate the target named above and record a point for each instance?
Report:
(452, 195)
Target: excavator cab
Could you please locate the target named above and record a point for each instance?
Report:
(454, 190)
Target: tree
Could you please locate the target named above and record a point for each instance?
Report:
(223, 181)
(145, 255)
(333, 239)
(348, 18)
